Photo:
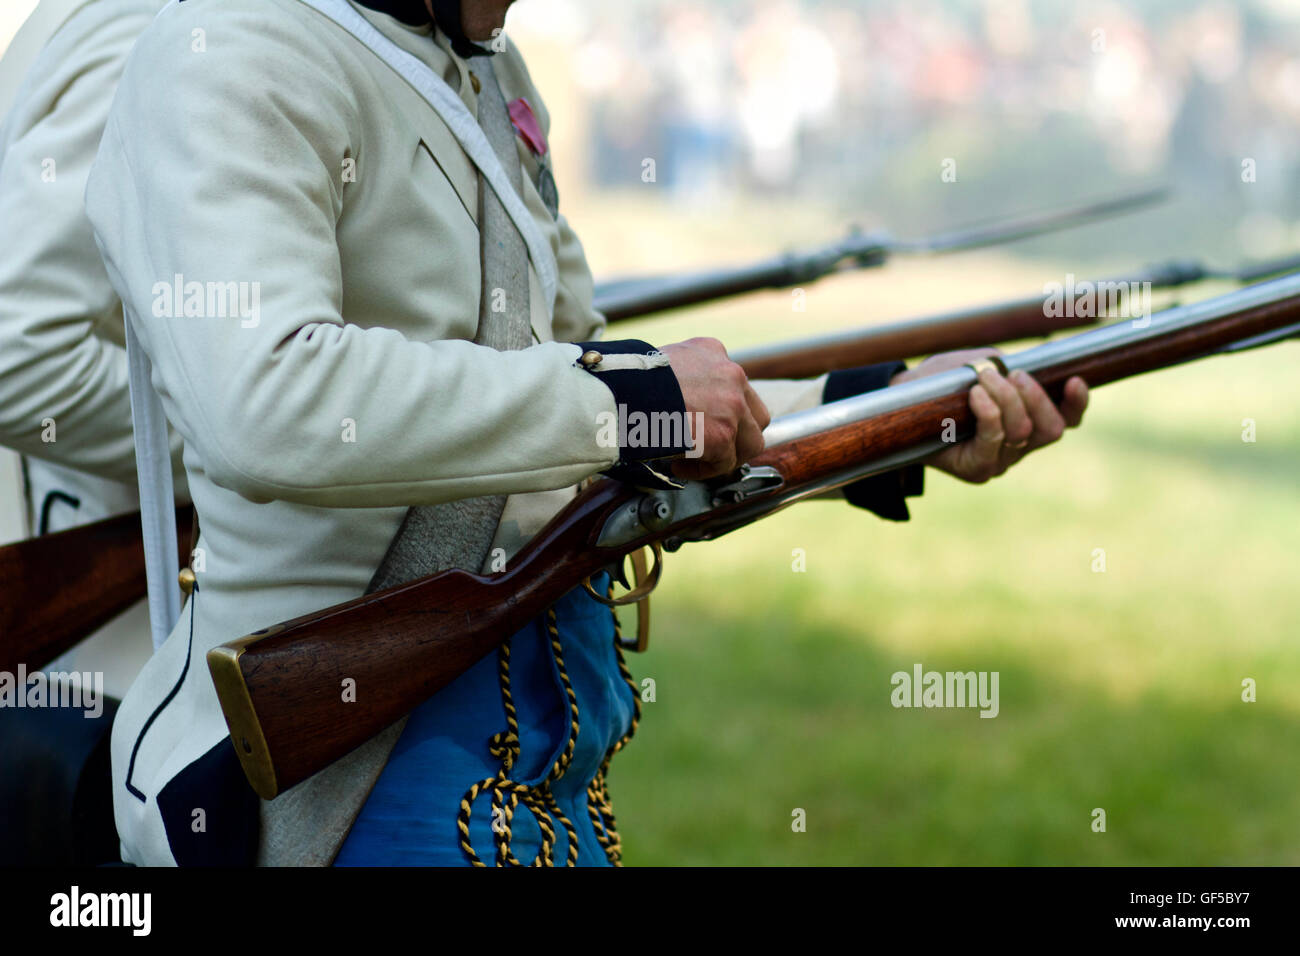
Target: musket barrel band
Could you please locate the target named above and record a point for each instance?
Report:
(992, 363)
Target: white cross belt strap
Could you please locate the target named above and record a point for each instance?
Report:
(153, 466)
(153, 469)
(451, 109)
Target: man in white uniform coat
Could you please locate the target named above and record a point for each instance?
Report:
(260, 153)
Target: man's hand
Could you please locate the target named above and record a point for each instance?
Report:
(734, 416)
(1013, 416)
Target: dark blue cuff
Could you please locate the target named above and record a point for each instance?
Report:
(653, 427)
(883, 495)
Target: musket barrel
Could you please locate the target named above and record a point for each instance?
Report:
(632, 297)
(1257, 310)
(629, 298)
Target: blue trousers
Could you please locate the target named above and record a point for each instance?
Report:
(414, 815)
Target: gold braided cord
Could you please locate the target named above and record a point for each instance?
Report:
(519, 793)
(570, 831)
(505, 747)
(565, 758)
(507, 794)
(539, 799)
(599, 807)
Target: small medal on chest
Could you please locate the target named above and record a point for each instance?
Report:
(547, 189)
(530, 131)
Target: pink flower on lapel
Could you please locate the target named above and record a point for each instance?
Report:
(525, 121)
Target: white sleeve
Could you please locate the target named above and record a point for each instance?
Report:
(220, 167)
(62, 369)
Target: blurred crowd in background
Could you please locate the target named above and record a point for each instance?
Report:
(860, 106)
(861, 103)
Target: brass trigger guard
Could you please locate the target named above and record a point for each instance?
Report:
(645, 582)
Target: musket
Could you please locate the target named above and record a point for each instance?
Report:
(59, 588)
(1028, 318)
(629, 298)
(56, 589)
(41, 620)
(279, 687)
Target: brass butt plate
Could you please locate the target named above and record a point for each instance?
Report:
(245, 729)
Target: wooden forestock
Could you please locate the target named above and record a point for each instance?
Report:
(995, 324)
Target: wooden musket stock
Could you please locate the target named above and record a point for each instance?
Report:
(995, 324)
(58, 588)
(280, 688)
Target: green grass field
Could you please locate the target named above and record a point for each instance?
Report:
(1119, 690)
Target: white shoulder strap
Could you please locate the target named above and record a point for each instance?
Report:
(452, 110)
(157, 499)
